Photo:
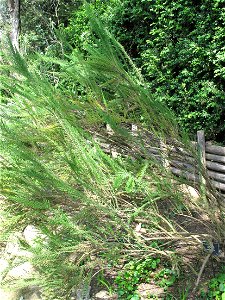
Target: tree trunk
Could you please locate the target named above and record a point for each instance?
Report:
(10, 21)
(3, 18)
(14, 11)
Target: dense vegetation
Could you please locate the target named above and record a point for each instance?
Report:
(180, 48)
(71, 165)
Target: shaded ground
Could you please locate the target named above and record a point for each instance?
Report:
(193, 256)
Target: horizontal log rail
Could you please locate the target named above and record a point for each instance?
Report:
(216, 176)
(218, 150)
(187, 175)
(183, 165)
(218, 185)
(215, 166)
(214, 157)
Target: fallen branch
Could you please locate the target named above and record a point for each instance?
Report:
(203, 266)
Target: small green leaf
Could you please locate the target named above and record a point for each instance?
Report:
(135, 297)
(222, 287)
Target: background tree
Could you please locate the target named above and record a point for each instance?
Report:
(10, 20)
(40, 19)
(14, 11)
(180, 48)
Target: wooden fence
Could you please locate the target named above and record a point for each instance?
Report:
(202, 157)
(212, 160)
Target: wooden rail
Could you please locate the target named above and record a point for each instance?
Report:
(209, 159)
(212, 159)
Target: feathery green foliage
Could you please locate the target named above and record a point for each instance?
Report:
(57, 176)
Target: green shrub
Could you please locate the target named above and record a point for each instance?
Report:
(145, 271)
(180, 48)
(216, 288)
(56, 175)
(183, 63)
(39, 21)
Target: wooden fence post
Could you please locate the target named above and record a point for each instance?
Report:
(164, 154)
(201, 151)
(134, 129)
(109, 129)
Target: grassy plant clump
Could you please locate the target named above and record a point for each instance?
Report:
(58, 175)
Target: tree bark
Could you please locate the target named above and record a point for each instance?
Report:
(10, 21)
(3, 18)
(14, 11)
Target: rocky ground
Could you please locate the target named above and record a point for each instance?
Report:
(12, 254)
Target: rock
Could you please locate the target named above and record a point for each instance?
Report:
(32, 234)
(145, 290)
(13, 248)
(13, 254)
(139, 230)
(192, 192)
(3, 266)
(23, 271)
(34, 296)
(9, 295)
(104, 295)
(32, 293)
(82, 293)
